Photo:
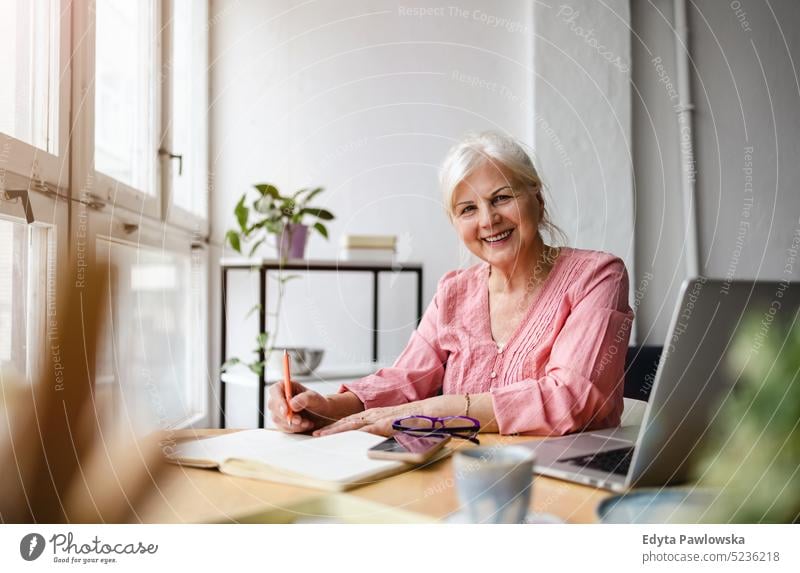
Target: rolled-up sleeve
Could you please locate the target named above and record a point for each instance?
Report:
(416, 374)
(582, 385)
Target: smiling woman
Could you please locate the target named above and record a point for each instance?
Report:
(531, 340)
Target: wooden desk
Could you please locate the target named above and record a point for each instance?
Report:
(190, 495)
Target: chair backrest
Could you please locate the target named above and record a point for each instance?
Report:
(641, 363)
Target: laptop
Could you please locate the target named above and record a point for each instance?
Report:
(692, 383)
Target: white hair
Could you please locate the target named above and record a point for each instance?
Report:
(500, 150)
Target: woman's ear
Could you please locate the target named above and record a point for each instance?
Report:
(540, 200)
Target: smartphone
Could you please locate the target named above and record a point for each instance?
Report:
(407, 448)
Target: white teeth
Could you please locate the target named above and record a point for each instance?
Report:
(499, 237)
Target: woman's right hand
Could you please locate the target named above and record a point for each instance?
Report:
(311, 410)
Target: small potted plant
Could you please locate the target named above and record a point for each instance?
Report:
(270, 213)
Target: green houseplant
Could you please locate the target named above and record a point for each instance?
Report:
(265, 214)
(268, 213)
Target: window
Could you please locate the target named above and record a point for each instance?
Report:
(152, 343)
(27, 264)
(29, 53)
(126, 74)
(189, 108)
(34, 93)
(124, 88)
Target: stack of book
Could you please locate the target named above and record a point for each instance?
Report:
(374, 248)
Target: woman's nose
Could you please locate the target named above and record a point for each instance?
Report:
(488, 216)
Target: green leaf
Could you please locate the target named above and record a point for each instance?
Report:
(286, 278)
(255, 246)
(321, 229)
(228, 363)
(264, 205)
(242, 213)
(233, 239)
(261, 340)
(256, 308)
(313, 194)
(300, 192)
(267, 189)
(323, 214)
(257, 368)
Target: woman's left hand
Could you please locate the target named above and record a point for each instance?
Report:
(375, 420)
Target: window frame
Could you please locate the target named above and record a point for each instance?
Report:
(50, 212)
(173, 213)
(81, 205)
(29, 162)
(105, 187)
(125, 229)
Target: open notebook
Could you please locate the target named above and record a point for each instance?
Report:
(335, 463)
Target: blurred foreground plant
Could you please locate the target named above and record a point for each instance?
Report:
(754, 452)
(57, 461)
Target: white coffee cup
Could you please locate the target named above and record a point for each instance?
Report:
(494, 483)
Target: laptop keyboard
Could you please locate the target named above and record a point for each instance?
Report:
(613, 461)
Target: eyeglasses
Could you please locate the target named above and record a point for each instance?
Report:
(462, 427)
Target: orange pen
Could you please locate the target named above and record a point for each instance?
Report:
(287, 386)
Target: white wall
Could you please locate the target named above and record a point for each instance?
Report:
(363, 97)
(582, 120)
(748, 96)
(659, 213)
(746, 93)
(365, 100)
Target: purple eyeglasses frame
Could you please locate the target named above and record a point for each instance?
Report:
(438, 427)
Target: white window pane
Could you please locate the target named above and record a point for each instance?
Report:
(125, 92)
(189, 105)
(13, 266)
(148, 352)
(26, 260)
(29, 39)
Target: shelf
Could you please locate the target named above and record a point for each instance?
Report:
(264, 267)
(244, 377)
(315, 264)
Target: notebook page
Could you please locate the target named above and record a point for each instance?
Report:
(248, 444)
(336, 458)
(339, 457)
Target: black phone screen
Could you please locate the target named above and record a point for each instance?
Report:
(405, 443)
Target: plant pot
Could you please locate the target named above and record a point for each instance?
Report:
(292, 241)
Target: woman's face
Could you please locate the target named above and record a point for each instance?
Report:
(496, 219)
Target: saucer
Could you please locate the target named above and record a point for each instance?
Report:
(666, 505)
(533, 517)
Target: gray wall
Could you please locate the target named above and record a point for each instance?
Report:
(364, 97)
(300, 94)
(746, 93)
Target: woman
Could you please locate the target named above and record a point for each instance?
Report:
(531, 340)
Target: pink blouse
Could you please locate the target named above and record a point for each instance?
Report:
(559, 372)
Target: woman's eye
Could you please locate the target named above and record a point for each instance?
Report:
(501, 198)
(467, 209)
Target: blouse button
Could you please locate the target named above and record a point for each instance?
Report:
(493, 375)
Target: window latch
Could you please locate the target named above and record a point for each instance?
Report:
(166, 153)
(21, 194)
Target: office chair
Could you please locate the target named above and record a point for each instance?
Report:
(641, 363)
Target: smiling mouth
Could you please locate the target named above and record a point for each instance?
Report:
(499, 237)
